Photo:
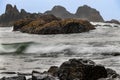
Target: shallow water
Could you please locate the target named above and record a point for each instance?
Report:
(21, 52)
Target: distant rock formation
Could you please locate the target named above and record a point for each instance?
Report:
(49, 24)
(13, 14)
(83, 12)
(113, 21)
(88, 13)
(61, 12)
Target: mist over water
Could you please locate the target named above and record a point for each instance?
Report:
(22, 52)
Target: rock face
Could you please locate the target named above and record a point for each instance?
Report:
(12, 14)
(79, 69)
(49, 24)
(88, 13)
(61, 12)
(83, 12)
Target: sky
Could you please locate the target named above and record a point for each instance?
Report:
(109, 9)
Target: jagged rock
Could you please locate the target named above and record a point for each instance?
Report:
(61, 12)
(88, 13)
(79, 69)
(12, 14)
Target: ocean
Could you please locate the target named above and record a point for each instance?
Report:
(22, 52)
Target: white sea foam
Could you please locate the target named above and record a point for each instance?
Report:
(61, 47)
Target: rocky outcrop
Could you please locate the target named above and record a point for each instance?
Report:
(83, 12)
(73, 69)
(88, 13)
(61, 12)
(113, 21)
(13, 14)
(80, 69)
(49, 24)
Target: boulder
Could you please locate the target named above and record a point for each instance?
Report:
(49, 24)
(80, 69)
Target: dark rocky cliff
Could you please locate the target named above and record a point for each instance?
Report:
(61, 12)
(13, 14)
(86, 12)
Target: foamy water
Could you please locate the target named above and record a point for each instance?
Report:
(42, 51)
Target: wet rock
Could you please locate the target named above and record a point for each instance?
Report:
(14, 78)
(79, 69)
(49, 24)
(111, 73)
(53, 70)
(42, 76)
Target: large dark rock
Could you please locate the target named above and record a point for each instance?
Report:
(49, 24)
(80, 69)
(88, 13)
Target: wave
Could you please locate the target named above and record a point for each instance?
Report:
(61, 49)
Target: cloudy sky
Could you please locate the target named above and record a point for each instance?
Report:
(109, 9)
